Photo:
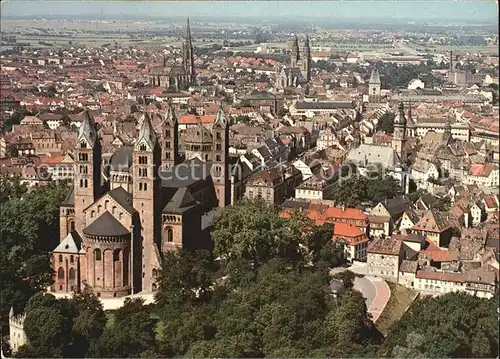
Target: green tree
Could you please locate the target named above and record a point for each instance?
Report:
(131, 334)
(451, 325)
(29, 231)
(386, 122)
(89, 323)
(255, 232)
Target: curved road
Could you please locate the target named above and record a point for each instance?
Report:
(375, 290)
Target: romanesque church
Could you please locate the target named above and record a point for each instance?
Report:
(120, 219)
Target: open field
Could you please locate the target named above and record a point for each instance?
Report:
(400, 300)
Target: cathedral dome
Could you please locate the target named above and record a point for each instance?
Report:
(106, 225)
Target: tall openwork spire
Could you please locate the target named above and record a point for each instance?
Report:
(188, 54)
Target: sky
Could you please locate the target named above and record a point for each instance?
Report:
(336, 9)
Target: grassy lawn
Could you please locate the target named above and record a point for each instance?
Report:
(400, 299)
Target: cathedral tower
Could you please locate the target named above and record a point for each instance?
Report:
(295, 55)
(399, 137)
(306, 64)
(146, 198)
(188, 55)
(220, 158)
(87, 185)
(170, 140)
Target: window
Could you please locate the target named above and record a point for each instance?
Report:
(72, 274)
(92, 214)
(143, 172)
(81, 183)
(106, 202)
(167, 155)
(143, 160)
(142, 147)
(145, 186)
(97, 254)
(155, 273)
(120, 216)
(86, 183)
(71, 259)
(140, 186)
(72, 225)
(218, 136)
(218, 147)
(167, 133)
(116, 255)
(217, 158)
(99, 209)
(60, 273)
(60, 258)
(167, 144)
(170, 235)
(83, 144)
(113, 209)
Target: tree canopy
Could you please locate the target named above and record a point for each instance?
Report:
(454, 325)
(353, 191)
(386, 122)
(29, 231)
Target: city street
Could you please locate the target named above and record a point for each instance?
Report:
(375, 290)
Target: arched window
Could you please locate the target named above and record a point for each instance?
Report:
(155, 272)
(72, 225)
(92, 214)
(116, 255)
(86, 183)
(97, 254)
(113, 210)
(60, 258)
(60, 273)
(106, 202)
(120, 216)
(170, 235)
(71, 259)
(99, 209)
(142, 147)
(71, 273)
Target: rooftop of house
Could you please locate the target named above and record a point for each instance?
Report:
(388, 246)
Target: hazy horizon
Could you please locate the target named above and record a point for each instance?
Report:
(380, 10)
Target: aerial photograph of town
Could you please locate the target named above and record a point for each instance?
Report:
(249, 179)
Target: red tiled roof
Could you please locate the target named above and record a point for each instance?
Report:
(192, 119)
(447, 277)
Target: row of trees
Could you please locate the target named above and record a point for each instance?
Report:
(29, 231)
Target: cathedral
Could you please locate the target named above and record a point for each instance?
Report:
(119, 220)
(299, 71)
(177, 76)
